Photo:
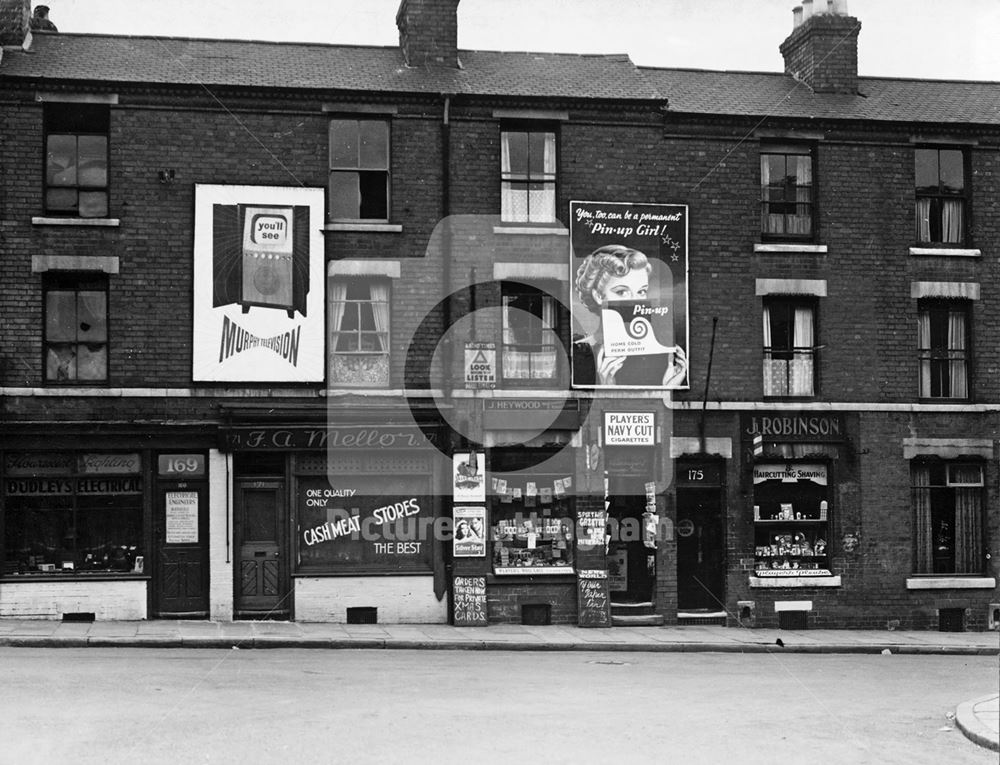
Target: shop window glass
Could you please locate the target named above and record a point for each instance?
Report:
(527, 176)
(359, 169)
(70, 522)
(791, 506)
(76, 329)
(359, 316)
(366, 522)
(789, 348)
(786, 188)
(941, 196)
(76, 160)
(530, 335)
(948, 502)
(943, 343)
(533, 515)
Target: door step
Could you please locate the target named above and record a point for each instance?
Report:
(631, 608)
(637, 620)
(701, 616)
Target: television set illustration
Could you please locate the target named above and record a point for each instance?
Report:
(261, 257)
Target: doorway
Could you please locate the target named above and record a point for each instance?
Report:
(181, 567)
(701, 539)
(262, 576)
(631, 564)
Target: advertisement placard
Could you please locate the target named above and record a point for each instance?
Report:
(258, 284)
(629, 265)
(470, 532)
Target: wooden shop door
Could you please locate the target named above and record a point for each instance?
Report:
(262, 576)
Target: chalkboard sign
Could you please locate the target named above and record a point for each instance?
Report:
(470, 601)
(593, 601)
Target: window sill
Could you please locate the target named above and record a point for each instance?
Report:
(383, 228)
(957, 582)
(514, 229)
(78, 576)
(795, 581)
(107, 264)
(811, 249)
(950, 252)
(91, 222)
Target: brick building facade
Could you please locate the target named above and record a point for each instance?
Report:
(280, 319)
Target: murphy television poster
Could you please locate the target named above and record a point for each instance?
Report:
(258, 284)
(629, 270)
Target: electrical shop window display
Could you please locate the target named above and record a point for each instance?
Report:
(533, 522)
(791, 519)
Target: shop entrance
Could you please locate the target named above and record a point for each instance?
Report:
(701, 539)
(631, 564)
(181, 531)
(262, 581)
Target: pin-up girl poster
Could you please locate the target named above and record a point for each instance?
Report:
(629, 283)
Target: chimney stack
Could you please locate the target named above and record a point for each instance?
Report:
(15, 16)
(428, 32)
(822, 50)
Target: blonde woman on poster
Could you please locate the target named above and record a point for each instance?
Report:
(612, 274)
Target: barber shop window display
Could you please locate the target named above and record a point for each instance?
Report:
(791, 519)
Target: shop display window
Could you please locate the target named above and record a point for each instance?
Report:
(532, 519)
(791, 509)
(73, 525)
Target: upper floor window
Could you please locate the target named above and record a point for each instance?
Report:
(76, 159)
(941, 195)
(528, 176)
(942, 345)
(359, 319)
(359, 169)
(76, 328)
(789, 347)
(530, 334)
(948, 517)
(786, 192)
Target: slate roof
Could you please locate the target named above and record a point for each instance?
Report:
(163, 60)
(256, 64)
(758, 94)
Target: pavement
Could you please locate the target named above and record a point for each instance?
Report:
(979, 719)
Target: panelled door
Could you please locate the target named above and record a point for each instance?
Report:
(262, 576)
(181, 572)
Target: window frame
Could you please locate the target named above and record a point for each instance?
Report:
(935, 306)
(790, 352)
(359, 169)
(940, 196)
(75, 282)
(513, 289)
(942, 505)
(336, 333)
(75, 120)
(528, 178)
(788, 149)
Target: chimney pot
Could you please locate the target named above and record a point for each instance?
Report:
(807, 10)
(796, 17)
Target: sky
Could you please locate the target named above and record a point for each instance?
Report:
(927, 39)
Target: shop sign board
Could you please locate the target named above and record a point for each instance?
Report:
(470, 532)
(469, 597)
(108, 464)
(790, 473)
(534, 414)
(593, 598)
(469, 477)
(480, 365)
(182, 517)
(249, 438)
(629, 428)
(803, 426)
(259, 302)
